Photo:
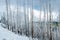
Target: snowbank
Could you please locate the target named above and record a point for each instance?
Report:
(7, 35)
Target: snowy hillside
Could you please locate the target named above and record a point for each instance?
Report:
(7, 35)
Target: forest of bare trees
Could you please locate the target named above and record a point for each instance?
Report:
(24, 24)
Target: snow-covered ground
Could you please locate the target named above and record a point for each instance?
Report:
(8, 35)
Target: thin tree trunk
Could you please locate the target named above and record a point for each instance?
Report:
(31, 19)
(7, 13)
(50, 20)
(17, 19)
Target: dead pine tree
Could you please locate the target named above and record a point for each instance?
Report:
(25, 17)
(31, 18)
(17, 18)
(59, 23)
(50, 20)
(7, 12)
(44, 22)
(20, 19)
(32, 27)
(28, 17)
(39, 27)
(10, 16)
(47, 19)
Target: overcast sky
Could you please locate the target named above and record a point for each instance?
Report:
(37, 5)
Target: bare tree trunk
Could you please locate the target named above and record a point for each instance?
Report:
(44, 22)
(7, 13)
(47, 19)
(20, 19)
(25, 17)
(59, 23)
(10, 17)
(50, 20)
(39, 21)
(31, 19)
(17, 19)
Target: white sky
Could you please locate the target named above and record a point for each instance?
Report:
(35, 12)
(55, 5)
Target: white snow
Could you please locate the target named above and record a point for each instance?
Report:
(8, 35)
